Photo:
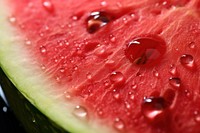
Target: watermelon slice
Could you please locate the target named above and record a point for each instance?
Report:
(123, 66)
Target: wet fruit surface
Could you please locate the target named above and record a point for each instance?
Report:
(132, 64)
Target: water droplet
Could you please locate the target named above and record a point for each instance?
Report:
(99, 111)
(128, 106)
(173, 69)
(117, 78)
(89, 76)
(116, 94)
(192, 45)
(80, 112)
(134, 86)
(74, 18)
(43, 67)
(62, 70)
(197, 116)
(187, 60)
(5, 109)
(175, 82)
(112, 38)
(43, 49)
(67, 95)
(187, 93)
(119, 124)
(145, 50)
(131, 96)
(28, 42)
(33, 120)
(48, 6)
(153, 107)
(103, 3)
(155, 73)
(96, 20)
(12, 20)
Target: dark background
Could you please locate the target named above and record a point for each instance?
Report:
(8, 121)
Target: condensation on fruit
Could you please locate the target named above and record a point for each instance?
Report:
(116, 94)
(155, 73)
(117, 78)
(153, 107)
(43, 49)
(197, 116)
(96, 20)
(48, 5)
(119, 124)
(12, 19)
(145, 50)
(175, 82)
(173, 69)
(80, 112)
(192, 45)
(187, 60)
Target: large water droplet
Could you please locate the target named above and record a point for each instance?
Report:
(187, 60)
(117, 78)
(48, 6)
(80, 112)
(153, 107)
(96, 20)
(145, 50)
(119, 124)
(175, 82)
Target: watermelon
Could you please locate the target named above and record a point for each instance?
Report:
(103, 66)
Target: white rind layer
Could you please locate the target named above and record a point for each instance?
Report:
(25, 74)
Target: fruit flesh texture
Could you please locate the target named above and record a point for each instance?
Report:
(65, 50)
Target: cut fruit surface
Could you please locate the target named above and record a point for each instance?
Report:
(119, 66)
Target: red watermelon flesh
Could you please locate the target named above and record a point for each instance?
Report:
(133, 64)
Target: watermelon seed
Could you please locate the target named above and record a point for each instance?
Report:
(96, 20)
(80, 112)
(187, 60)
(173, 69)
(119, 124)
(145, 50)
(175, 82)
(153, 106)
(117, 78)
(48, 6)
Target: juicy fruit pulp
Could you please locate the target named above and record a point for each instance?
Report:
(132, 65)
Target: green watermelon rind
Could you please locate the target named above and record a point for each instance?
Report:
(31, 118)
(24, 72)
